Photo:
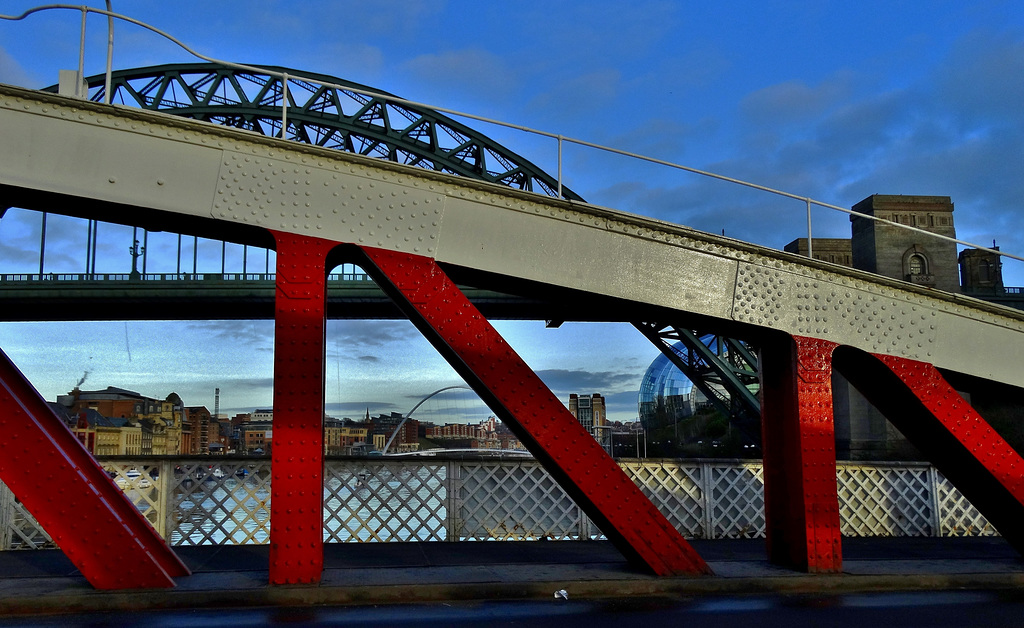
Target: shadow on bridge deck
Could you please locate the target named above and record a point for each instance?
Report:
(45, 582)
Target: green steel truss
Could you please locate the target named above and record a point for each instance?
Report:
(724, 369)
(335, 118)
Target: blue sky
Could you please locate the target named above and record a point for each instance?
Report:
(833, 100)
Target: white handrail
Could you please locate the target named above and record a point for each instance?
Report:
(110, 56)
(283, 76)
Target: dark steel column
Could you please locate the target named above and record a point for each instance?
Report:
(42, 244)
(75, 501)
(571, 455)
(801, 505)
(296, 520)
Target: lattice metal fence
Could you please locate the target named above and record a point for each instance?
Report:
(679, 491)
(735, 500)
(886, 500)
(956, 515)
(224, 503)
(212, 501)
(18, 528)
(514, 501)
(390, 500)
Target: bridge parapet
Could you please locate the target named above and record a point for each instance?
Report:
(225, 501)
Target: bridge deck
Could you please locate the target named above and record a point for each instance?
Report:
(45, 582)
(70, 297)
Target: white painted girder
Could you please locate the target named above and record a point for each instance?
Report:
(156, 161)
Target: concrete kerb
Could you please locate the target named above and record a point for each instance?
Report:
(89, 601)
(43, 582)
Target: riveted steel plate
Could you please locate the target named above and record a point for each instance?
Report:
(328, 199)
(296, 530)
(577, 250)
(94, 155)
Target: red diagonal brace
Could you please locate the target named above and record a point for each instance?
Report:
(801, 504)
(296, 516)
(75, 501)
(948, 431)
(574, 459)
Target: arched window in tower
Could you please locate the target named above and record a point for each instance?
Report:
(917, 264)
(985, 271)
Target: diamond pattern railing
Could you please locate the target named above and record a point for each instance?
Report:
(886, 500)
(220, 501)
(140, 481)
(957, 516)
(514, 501)
(385, 501)
(736, 495)
(679, 492)
(18, 528)
(226, 502)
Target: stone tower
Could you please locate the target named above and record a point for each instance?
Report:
(902, 254)
(981, 272)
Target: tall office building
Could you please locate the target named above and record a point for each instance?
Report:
(589, 410)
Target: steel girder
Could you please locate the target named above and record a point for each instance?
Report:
(218, 179)
(933, 416)
(446, 317)
(75, 501)
(723, 372)
(341, 119)
(569, 453)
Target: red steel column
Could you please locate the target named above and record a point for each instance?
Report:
(78, 505)
(464, 337)
(296, 515)
(801, 504)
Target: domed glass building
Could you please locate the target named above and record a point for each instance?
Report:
(666, 395)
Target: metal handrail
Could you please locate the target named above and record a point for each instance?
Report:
(561, 139)
(189, 277)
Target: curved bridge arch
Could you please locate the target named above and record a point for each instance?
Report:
(340, 119)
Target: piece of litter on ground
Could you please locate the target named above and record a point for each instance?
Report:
(562, 593)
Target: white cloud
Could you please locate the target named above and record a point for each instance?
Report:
(470, 70)
(581, 95)
(12, 73)
(983, 77)
(794, 101)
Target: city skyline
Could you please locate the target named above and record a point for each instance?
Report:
(358, 375)
(832, 101)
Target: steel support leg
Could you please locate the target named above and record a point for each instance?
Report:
(947, 430)
(801, 505)
(78, 505)
(296, 504)
(571, 455)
